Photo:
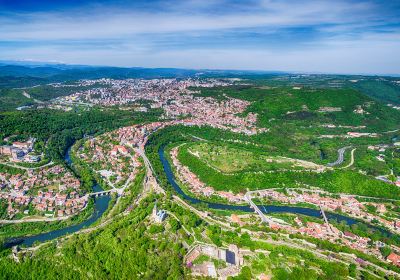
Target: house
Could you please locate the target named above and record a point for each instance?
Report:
(22, 145)
(5, 150)
(235, 219)
(17, 154)
(350, 235)
(119, 149)
(361, 262)
(394, 259)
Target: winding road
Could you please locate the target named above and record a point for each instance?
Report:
(340, 157)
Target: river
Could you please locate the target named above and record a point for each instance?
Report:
(264, 208)
(100, 206)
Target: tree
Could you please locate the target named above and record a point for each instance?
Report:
(175, 225)
(352, 270)
(385, 251)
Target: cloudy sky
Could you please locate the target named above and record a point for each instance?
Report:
(338, 36)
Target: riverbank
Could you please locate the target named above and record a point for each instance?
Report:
(100, 205)
(245, 208)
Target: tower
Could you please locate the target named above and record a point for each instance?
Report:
(154, 214)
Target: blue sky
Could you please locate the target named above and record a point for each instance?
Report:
(339, 36)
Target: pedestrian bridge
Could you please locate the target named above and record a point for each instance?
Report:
(264, 218)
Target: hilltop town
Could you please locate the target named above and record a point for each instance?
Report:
(216, 173)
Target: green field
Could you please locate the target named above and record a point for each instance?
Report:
(229, 159)
(343, 181)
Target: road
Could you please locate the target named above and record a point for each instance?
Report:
(35, 220)
(26, 168)
(340, 157)
(203, 215)
(264, 218)
(351, 159)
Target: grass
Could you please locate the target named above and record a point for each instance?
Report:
(335, 181)
(229, 159)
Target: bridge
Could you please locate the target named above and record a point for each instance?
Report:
(264, 218)
(325, 218)
(102, 193)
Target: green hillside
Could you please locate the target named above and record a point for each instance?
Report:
(312, 106)
(12, 98)
(386, 91)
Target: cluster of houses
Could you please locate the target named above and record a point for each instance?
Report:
(196, 186)
(112, 154)
(121, 92)
(20, 151)
(20, 191)
(177, 99)
(350, 134)
(58, 204)
(345, 203)
(222, 115)
(348, 204)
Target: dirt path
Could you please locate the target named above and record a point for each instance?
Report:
(351, 159)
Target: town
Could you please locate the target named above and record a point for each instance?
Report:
(51, 191)
(175, 97)
(42, 190)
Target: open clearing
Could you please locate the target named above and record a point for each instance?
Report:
(227, 159)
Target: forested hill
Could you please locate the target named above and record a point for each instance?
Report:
(61, 73)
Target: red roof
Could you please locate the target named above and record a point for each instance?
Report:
(394, 258)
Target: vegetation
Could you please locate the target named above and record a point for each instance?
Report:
(342, 181)
(47, 92)
(13, 98)
(229, 159)
(125, 249)
(132, 246)
(305, 106)
(25, 229)
(61, 129)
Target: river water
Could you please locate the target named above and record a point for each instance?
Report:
(264, 208)
(100, 206)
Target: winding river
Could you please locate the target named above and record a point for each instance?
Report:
(264, 208)
(100, 206)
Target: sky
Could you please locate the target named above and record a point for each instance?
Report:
(338, 36)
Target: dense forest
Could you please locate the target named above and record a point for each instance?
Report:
(60, 129)
(125, 249)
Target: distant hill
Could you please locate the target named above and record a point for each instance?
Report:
(16, 82)
(27, 74)
(385, 90)
(59, 73)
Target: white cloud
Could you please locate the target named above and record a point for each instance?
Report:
(108, 36)
(359, 56)
(115, 23)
